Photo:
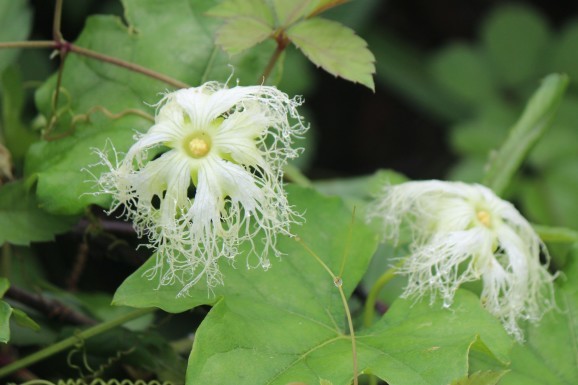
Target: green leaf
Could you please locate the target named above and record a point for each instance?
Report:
(5, 313)
(357, 192)
(4, 285)
(23, 320)
(175, 40)
(288, 12)
(255, 9)
(550, 354)
(248, 22)
(535, 120)
(288, 325)
(15, 18)
(462, 71)
(239, 34)
(335, 48)
(18, 137)
(22, 220)
(515, 38)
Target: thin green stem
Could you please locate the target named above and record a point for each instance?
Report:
(347, 243)
(351, 333)
(314, 255)
(295, 175)
(71, 341)
(338, 282)
(369, 307)
(54, 116)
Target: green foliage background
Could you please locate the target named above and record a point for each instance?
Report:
(286, 325)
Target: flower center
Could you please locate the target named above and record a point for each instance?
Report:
(485, 218)
(198, 145)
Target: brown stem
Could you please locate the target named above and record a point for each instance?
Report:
(130, 66)
(282, 43)
(56, 23)
(50, 307)
(79, 265)
(62, 44)
(326, 7)
(28, 44)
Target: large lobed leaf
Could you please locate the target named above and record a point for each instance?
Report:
(288, 324)
(176, 40)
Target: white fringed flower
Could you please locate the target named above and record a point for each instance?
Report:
(462, 233)
(217, 182)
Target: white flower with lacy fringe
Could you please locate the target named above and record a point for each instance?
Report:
(462, 233)
(217, 182)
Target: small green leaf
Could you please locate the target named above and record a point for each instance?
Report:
(335, 48)
(256, 9)
(22, 220)
(462, 71)
(247, 23)
(23, 320)
(240, 34)
(550, 354)
(4, 285)
(515, 37)
(5, 313)
(535, 120)
(15, 18)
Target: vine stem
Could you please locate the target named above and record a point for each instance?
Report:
(351, 331)
(97, 56)
(282, 43)
(57, 21)
(130, 66)
(295, 175)
(338, 282)
(369, 307)
(71, 341)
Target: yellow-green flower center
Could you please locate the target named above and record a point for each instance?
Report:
(484, 218)
(198, 145)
